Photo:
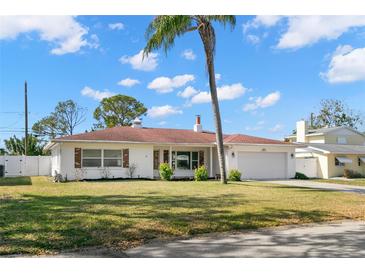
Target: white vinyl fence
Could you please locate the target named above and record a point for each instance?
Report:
(26, 165)
(307, 166)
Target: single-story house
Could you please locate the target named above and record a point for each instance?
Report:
(113, 152)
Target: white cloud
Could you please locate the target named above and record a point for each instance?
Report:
(301, 31)
(188, 54)
(148, 63)
(226, 92)
(96, 94)
(188, 92)
(163, 111)
(258, 126)
(128, 82)
(218, 76)
(116, 26)
(259, 102)
(307, 30)
(166, 84)
(262, 20)
(63, 32)
(347, 65)
(253, 39)
(276, 128)
(162, 123)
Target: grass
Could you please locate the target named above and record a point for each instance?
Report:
(352, 182)
(41, 217)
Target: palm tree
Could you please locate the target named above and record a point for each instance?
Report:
(162, 32)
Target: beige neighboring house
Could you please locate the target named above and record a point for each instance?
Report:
(328, 151)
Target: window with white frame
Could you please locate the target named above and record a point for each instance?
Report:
(91, 157)
(185, 160)
(341, 140)
(112, 158)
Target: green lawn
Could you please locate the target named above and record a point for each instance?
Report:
(41, 217)
(352, 182)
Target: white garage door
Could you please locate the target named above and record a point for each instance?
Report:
(262, 165)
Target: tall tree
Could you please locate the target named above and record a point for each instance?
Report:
(15, 146)
(63, 121)
(118, 110)
(334, 113)
(162, 32)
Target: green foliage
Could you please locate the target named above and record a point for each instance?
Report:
(163, 30)
(63, 121)
(118, 110)
(15, 146)
(161, 33)
(351, 174)
(334, 113)
(201, 174)
(165, 172)
(300, 176)
(234, 175)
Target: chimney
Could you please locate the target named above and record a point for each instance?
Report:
(198, 127)
(137, 123)
(302, 131)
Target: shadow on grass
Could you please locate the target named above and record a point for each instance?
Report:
(43, 224)
(16, 181)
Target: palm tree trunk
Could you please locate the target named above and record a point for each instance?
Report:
(215, 106)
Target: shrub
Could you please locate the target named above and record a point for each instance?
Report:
(234, 175)
(166, 172)
(201, 174)
(350, 174)
(300, 176)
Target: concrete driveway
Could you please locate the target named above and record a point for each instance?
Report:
(318, 185)
(345, 239)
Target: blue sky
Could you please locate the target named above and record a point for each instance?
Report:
(271, 71)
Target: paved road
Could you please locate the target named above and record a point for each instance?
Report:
(317, 185)
(345, 239)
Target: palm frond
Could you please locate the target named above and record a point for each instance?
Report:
(223, 19)
(163, 30)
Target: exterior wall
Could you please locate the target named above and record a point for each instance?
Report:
(322, 169)
(316, 139)
(56, 159)
(337, 171)
(232, 161)
(354, 139)
(139, 154)
(307, 166)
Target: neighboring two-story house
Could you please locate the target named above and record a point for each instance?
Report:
(328, 151)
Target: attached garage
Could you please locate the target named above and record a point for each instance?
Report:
(262, 165)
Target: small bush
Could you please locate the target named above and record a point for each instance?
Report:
(201, 174)
(350, 174)
(300, 176)
(234, 175)
(166, 172)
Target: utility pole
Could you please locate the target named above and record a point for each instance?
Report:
(26, 118)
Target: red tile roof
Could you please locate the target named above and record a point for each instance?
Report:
(163, 136)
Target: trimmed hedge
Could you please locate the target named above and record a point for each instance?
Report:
(234, 175)
(300, 176)
(201, 174)
(165, 172)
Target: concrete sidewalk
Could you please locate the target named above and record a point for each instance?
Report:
(343, 239)
(319, 185)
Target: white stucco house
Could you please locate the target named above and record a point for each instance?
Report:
(111, 152)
